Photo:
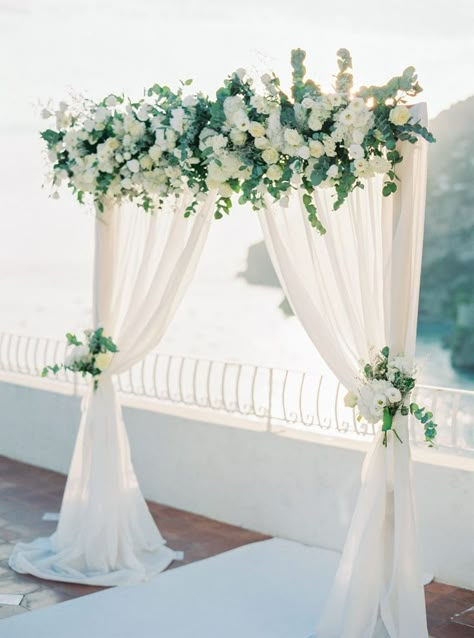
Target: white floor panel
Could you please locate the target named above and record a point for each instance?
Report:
(271, 589)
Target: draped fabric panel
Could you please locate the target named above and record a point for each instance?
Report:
(106, 535)
(354, 289)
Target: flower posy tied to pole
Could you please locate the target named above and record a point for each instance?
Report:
(386, 384)
(89, 357)
(246, 142)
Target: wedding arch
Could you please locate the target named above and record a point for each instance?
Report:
(158, 170)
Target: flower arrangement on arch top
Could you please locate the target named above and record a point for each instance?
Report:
(89, 357)
(244, 143)
(386, 384)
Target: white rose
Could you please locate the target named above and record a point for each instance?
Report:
(101, 114)
(399, 115)
(379, 401)
(238, 137)
(316, 148)
(292, 137)
(103, 360)
(393, 395)
(256, 129)
(173, 172)
(177, 120)
(259, 103)
(127, 156)
(142, 113)
(314, 122)
(112, 144)
(189, 100)
(89, 125)
(380, 164)
(357, 105)
(225, 190)
(346, 117)
(270, 155)
(358, 136)
(356, 151)
(133, 166)
(274, 172)
(240, 73)
(296, 180)
(240, 121)
(329, 146)
(216, 173)
(261, 143)
(111, 101)
(146, 162)
(350, 400)
(334, 99)
(155, 153)
(361, 167)
(232, 104)
(308, 103)
(332, 171)
(303, 152)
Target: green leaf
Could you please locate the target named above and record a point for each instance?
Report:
(51, 137)
(387, 420)
(73, 340)
(385, 351)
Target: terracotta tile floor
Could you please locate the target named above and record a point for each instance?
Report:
(27, 492)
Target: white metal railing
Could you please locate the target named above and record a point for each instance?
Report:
(276, 397)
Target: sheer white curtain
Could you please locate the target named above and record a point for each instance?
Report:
(106, 535)
(353, 289)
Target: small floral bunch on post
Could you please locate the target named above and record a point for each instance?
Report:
(91, 356)
(386, 385)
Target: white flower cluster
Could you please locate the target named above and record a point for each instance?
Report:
(79, 356)
(373, 397)
(121, 150)
(385, 389)
(243, 141)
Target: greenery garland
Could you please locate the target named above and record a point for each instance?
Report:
(246, 142)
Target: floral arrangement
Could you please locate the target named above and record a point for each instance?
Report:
(244, 142)
(91, 356)
(386, 384)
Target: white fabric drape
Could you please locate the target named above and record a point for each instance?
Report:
(106, 535)
(353, 289)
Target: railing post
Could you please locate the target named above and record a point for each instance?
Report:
(270, 396)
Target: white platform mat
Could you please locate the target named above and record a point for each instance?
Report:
(270, 589)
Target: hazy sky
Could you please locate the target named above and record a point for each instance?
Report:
(53, 46)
